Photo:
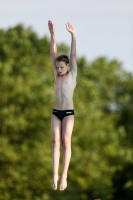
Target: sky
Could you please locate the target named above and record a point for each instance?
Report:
(103, 27)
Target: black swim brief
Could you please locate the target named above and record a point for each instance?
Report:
(62, 113)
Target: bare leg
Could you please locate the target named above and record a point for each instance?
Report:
(67, 127)
(56, 133)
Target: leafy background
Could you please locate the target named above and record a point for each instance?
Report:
(102, 141)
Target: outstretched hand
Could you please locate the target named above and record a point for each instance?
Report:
(51, 26)
(70, 28)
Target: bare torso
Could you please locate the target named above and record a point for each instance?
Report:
(64, 88)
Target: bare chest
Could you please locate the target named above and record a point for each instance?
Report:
(65, 83)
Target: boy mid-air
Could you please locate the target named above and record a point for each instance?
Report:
(62, 119)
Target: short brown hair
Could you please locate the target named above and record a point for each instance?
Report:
(63, 58)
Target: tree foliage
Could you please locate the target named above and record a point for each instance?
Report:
(102, 159)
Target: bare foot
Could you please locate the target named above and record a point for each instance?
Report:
(54, 182)
(63, 183)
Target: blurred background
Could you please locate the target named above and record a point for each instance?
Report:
(102, 142)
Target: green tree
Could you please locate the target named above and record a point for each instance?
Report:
(102, 139)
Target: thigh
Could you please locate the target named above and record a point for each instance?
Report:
(67, 126)
(55, 127)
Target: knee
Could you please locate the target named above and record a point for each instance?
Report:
(66, 142)
(56, 142)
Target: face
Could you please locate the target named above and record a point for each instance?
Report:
(61, 68)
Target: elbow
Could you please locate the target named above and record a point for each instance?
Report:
(52, 53)
(73, 54)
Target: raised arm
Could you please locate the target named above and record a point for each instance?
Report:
(73, 64)
(53, 48)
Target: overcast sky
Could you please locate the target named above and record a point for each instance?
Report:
(104, 27)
